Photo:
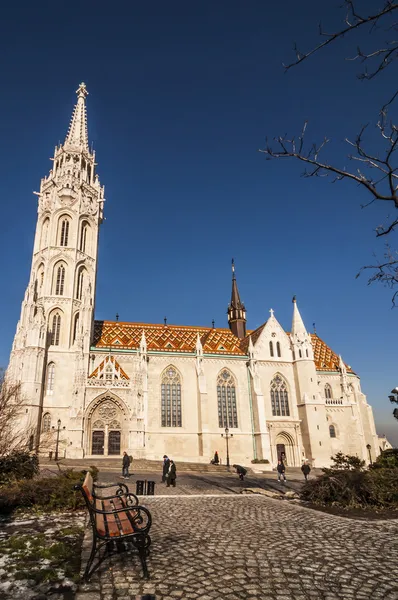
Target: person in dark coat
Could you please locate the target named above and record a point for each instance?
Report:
(216, 459)
(281, 471)
(166, 464)
(172, 474)
(241, 471)
(306, 469)
(125, 466)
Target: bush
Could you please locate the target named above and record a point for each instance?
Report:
(263, 461)
(18, 465)
(348, 485)
(45, 493)
(388, 459)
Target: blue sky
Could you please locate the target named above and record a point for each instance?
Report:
(182, 95)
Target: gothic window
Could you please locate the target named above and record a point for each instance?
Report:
(44, 233)
(332, 431)
(50, 378)
(279, 397)
(75, 327)
(328, 391)
(271, 349)
(60, 281)
(55, 329)
(226, 398)
(80, 283)
(300, 354)
(278, 349)
(83, 236)
(46, 426)
(171, 398)
(63, 240)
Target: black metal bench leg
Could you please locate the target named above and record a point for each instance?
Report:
(142, 550)
(87, 573)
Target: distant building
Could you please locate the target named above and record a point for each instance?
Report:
(153, 389)
(384, 444)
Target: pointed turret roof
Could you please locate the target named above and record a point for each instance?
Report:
(298, 326)
(77, 135)
(235, 298)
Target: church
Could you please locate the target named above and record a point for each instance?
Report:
(155, 389)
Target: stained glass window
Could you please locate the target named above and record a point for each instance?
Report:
(226, 400)
(332, 431)
(56, 329)
(64, 233)
(328, 391)
(60, 281)
(46, 423)
(171, 398)
(50, 377)
(279, 397)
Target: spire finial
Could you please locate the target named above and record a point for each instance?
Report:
(271, 312)
(213, 323)
(233, 269)
(165, 320)
(77, 135)
(294, 299)
(117, 316)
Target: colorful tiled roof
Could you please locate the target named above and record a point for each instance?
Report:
(181, 338)
(165, 338)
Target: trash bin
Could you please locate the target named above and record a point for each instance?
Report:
(150, 488)
(139, 490)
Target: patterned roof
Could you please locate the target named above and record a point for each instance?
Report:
(165, 338)
(181, 338)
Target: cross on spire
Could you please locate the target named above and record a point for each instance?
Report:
(271, 312)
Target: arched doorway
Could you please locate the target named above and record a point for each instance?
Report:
(106, 427)
(285, 449)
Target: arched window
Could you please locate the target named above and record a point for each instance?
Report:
(83, 236)
(46, 426)
(44, 233)
(278, 348)
(75, 327)
(328, 391)
(63, 239)
(60, 281)
(226, 397)
(279, 397)
(80, 283)
(55, 329)
(50, 378)
(332, 431)
(271, 349)
(171, 398)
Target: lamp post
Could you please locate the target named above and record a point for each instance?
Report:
(56, 447)
(369, 448)
(394, 398)
(227, 435)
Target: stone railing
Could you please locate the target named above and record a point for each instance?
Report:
(334, 401)
(108, 383)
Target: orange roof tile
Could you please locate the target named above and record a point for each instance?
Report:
(182, 338)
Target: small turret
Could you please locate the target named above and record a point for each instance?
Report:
(236, 310)
(301, 340)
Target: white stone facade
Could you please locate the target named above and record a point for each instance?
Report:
(162, 389)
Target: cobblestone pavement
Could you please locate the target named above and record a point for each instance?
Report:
(235, 546)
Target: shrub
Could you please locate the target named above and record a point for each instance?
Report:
(18, 465)
(347, 484)
(263, 461)
(388, 459)
(45, 493)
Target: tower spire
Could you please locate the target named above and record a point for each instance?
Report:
(236, 309)
(298, 327)
(77, 135)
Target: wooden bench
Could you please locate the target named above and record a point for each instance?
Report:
(116, 520)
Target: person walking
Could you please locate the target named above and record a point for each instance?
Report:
(281, 471)
(125, 466)
(166, 464)
(241, 471)
(306, 469)
(172, 474)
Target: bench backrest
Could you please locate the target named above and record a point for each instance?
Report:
(88, 485)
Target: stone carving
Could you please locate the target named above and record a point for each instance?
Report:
(107, 411)
(98, 425)
(114, 425)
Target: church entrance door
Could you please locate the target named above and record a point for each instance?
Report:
(98, 442)
(281, 452)
(114, 442)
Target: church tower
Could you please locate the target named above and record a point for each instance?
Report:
(236, 310)
(51, 347)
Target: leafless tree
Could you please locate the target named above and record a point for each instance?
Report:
(12, 406)
(375, 171)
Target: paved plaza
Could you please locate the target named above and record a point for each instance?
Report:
(234, 546)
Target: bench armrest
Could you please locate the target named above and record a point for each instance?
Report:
(129, 498)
